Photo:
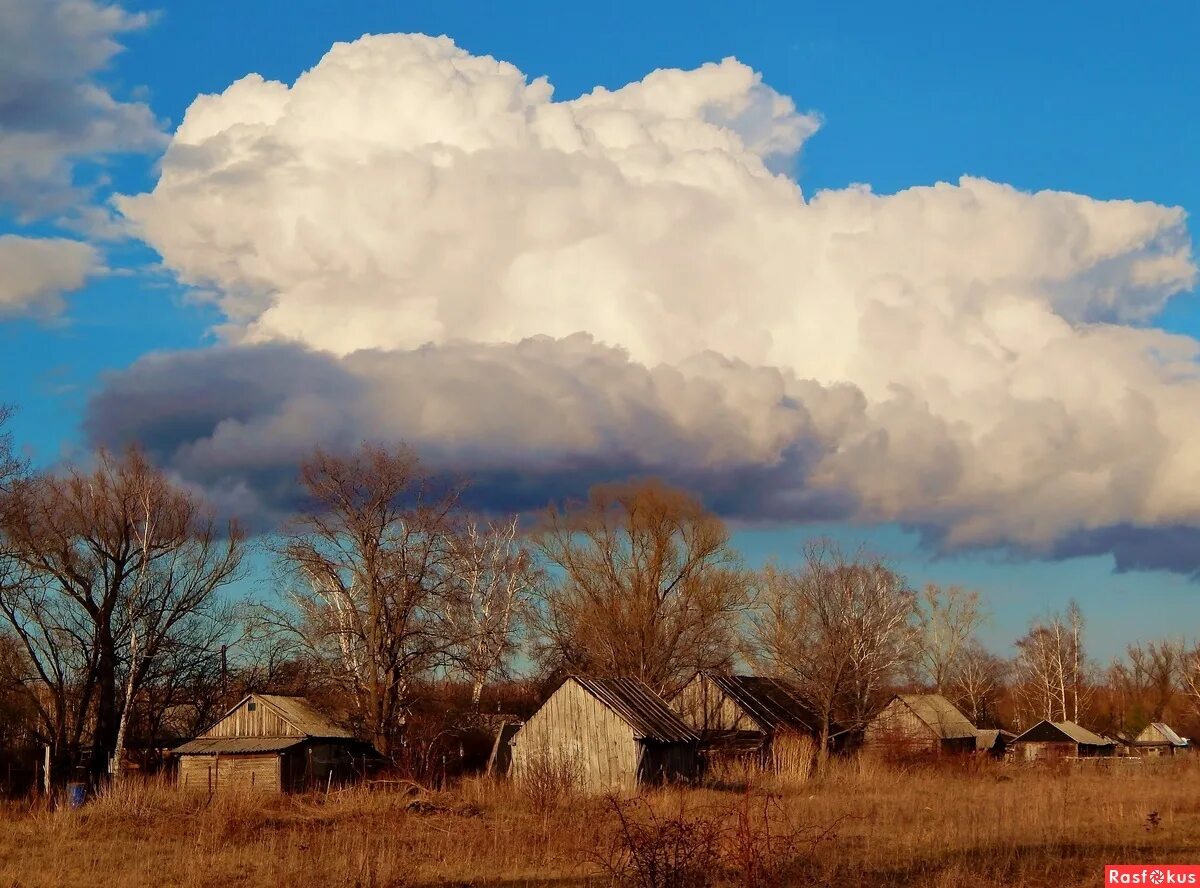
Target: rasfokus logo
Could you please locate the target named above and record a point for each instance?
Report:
(1151, 874)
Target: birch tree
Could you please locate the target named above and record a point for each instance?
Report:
(947, 621)
(495, 573)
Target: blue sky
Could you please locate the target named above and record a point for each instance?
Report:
(1093, 98)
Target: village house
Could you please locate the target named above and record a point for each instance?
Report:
(920, 724)
(747, 717)
(605, 734)
(993, 741)
(273, 743)
(1050, 741)
(1158, 739)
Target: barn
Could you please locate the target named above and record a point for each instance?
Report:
(746, 716)
(920, 724)
(1051, 741)
(1159, 739)
(605, 734)
(272, 743)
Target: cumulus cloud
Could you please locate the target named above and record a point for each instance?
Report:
(53, 111)
(37, 271)
(967, 357)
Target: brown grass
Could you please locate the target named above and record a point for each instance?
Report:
(982, 826)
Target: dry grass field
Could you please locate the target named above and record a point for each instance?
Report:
(860, 825)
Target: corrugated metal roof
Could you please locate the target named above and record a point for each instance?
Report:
(642, 709)
(302, 716)
(236, 745)
(772, 703)
(1164, 731)
(940, 714)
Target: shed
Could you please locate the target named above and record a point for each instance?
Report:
(273, 743)
(605, 734)
(920, 724)
(993, 741)
(1159, 738)
(739, 716)
(1050, 741)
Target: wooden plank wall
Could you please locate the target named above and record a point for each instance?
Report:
(575, 730)
(705, 707)
(261, 722)
(258, 771)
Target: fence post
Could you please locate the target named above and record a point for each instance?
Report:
(46, 772)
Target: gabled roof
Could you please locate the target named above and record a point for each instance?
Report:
(639, 707)
(301, 715)
(986, 738)
(771, 703)
(942, 716)
(1164, 731)
(296, 711)
(1070, 731)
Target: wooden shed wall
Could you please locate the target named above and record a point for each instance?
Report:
(575, 729)
(705, 707)
(259, 722)
(897, 729)
(257, 771)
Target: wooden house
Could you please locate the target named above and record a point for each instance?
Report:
(745, 716)
(605, 734)
(1051, 741)
(1158, 739)
(273, 744)
(920, 724)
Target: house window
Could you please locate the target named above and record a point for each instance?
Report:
(250, 706)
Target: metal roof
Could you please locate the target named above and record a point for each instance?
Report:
(298, 712)
(772, 703)
(236, 745)
(985, 738)
(639, 707)
(1073, 732)
(1164, 731)
(940, 714)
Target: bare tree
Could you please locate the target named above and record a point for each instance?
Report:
(1051, 667)
(496, 576)
(977, 682)
(108, 558)
(642, 583)
(842, 627)
(947, 620)
(375, 590)
(1189, 675)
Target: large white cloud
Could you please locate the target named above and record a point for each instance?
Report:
(405, 192)
(35, 272)
(53, 110)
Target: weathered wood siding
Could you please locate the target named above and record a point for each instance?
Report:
(575, 730)
(260, 721)
(705, 707)
(897, 730)
(259, 772)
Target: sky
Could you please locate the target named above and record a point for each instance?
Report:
(916, 276)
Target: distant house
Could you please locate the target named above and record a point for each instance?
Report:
(605, 734)
(744, 716)
(993, 741)
(920, 724)
(1159, 739)
(273, 744)
(1049, 741)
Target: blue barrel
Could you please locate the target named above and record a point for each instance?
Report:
(76, 794)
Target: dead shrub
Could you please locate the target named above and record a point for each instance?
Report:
(548, 781)
(753, 843)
